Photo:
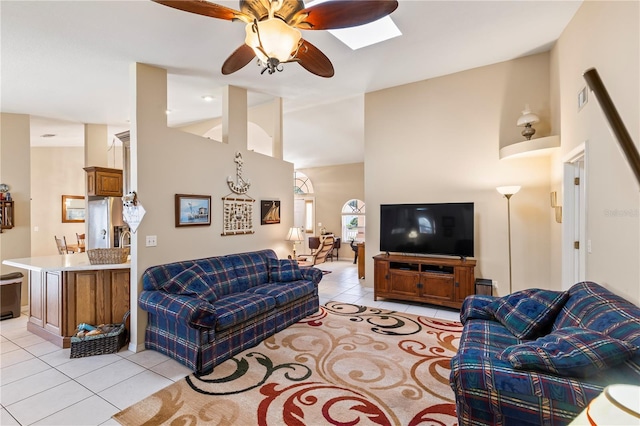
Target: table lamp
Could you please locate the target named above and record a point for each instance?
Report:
(295, 235)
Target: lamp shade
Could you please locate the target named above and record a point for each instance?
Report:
(616, 405)
(278, 39)
(508, 190)
(295, 234)
(527, 117)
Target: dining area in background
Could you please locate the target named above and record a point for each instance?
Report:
(65, 248)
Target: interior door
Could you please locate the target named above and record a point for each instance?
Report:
(304, 217)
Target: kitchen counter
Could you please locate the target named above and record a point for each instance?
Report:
(66, 290)
(62, 262)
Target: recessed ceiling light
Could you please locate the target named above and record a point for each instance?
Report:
(208, 98)
(48, 135)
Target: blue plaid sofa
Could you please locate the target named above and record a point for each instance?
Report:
(202, 312)
(586, 339)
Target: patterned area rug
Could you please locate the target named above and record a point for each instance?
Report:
(347, 364)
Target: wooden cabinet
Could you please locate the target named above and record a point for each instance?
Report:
(439, 281)
(104, 182)
(6, 214)
(59, 301)
(361, 260)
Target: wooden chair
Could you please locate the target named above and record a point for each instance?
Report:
(320, 255)
(81, 242)
(61, 243)
(335, 250)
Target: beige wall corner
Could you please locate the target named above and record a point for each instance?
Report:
(168, 161)
(15, 171)
(606, 36)
(437, 141)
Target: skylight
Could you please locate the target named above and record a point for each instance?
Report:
(365, 35)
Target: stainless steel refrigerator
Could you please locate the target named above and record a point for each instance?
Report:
(104, 222)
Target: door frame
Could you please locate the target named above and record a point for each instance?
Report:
(574, 217)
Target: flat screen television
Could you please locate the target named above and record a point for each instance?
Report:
(427, 229)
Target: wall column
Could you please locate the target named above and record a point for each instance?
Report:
(277, 145)
(15, 171)
(234, 117)
(95, 145)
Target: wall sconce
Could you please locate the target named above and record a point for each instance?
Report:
(526, 120)
(554, 205)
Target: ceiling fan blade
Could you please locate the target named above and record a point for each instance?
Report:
(238, 59)
(205, 8)
(314, 61)
(337, 14)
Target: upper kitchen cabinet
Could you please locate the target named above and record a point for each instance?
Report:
(104, 182)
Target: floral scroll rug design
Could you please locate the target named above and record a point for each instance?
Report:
(347, 364)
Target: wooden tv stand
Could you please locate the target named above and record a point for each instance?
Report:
(439, 281)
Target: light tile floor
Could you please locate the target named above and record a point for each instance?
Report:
(41, 385)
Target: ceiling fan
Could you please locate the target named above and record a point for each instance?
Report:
(272, 30)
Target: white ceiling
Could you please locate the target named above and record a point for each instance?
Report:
(67, 63)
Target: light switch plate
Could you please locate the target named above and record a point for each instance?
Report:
(152, 240)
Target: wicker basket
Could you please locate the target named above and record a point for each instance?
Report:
(106, 256)
(106, 343)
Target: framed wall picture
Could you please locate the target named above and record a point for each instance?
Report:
(193, 210)
(73, 209)
(269, 212)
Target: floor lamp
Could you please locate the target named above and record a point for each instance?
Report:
(508, 192)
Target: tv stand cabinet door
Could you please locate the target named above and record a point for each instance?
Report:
(404, 283)
(438, 287)
(465, 283)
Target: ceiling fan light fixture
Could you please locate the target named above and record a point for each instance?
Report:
(272, 39)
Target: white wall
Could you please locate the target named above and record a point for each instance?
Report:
(168, 161)
(604, 35)
(438, 140)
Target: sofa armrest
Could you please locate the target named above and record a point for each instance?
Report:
(311, 274)
(473, 308)
(196, 313)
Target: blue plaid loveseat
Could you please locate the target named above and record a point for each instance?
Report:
(492, 387)
(202, 312)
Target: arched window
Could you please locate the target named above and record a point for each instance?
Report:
(353, 220)
(301, 184)
(303, 204)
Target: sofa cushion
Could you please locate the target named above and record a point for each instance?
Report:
(527, 313)
(251, 268)
(238, 308)
(193, 282)
(571, 351)
(285, 293)
(220, 274)
(473, 307)
(283, 270)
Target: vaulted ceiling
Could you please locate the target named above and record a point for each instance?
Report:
(67, 63)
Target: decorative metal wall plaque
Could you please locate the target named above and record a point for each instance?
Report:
(240, 186)
(237, 215)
